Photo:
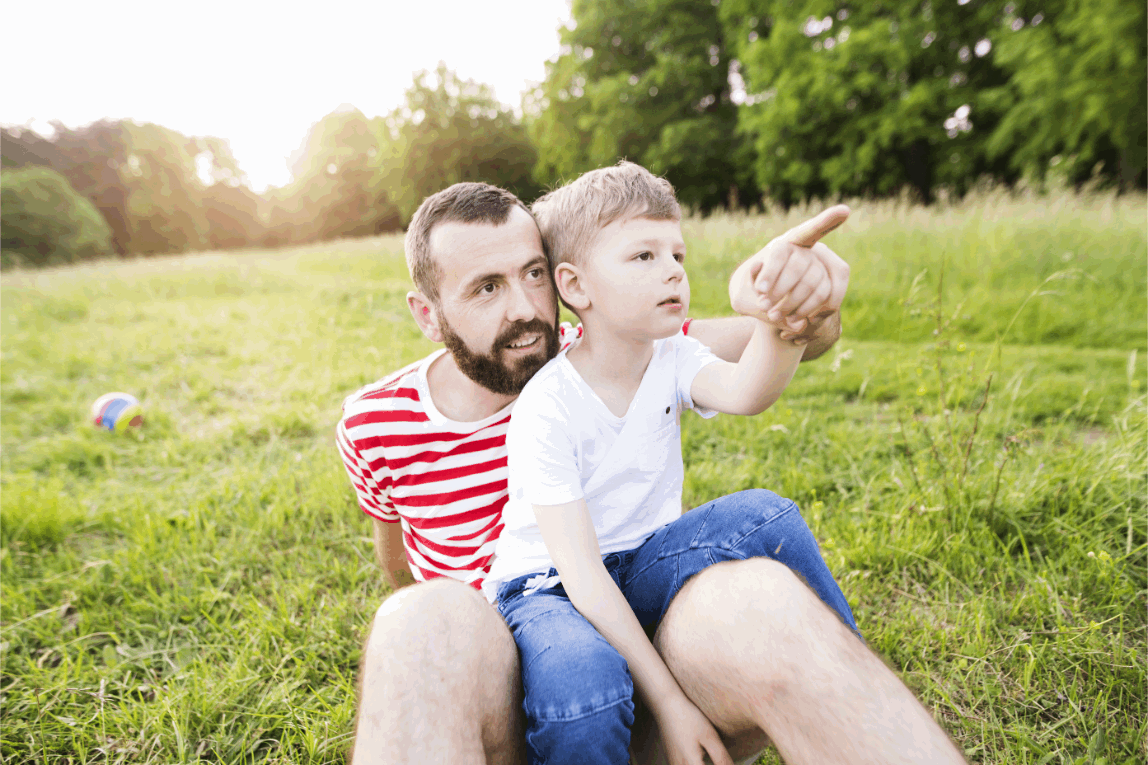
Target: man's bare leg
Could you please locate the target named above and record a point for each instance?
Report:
(439, 682)
(757, 651)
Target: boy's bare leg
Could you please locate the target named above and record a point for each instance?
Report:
(757, 651)
(439, 682)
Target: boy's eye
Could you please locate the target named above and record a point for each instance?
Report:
(680, 257)
(643, 256)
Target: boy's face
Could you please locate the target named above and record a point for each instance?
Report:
(635, 278)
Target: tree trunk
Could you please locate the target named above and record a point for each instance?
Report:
(918, 169)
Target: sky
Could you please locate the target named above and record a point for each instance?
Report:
(259, 74)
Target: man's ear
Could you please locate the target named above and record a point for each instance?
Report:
(426, 315)
(571, 286)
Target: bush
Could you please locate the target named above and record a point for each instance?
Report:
(44, 221)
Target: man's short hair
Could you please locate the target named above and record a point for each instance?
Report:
(460, 203)
(571, 217)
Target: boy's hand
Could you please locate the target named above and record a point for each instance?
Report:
(687, 735)
(794, 283)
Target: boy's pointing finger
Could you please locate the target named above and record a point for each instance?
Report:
(810, 232)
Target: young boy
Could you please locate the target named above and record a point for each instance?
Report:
(595, 469)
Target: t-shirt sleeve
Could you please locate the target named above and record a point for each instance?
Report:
(691, 356)
(568, 335)
(542, 455)
(371, 480)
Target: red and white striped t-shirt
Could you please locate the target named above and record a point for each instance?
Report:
(444, 481)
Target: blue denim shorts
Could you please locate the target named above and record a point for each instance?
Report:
(578, 691)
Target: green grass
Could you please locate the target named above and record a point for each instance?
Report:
(198, 591)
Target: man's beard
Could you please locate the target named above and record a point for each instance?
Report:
(488, 370)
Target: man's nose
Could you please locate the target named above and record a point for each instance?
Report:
(520, 308)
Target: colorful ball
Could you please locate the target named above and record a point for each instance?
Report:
(117, 412)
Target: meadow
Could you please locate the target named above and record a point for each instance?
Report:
(971, 455)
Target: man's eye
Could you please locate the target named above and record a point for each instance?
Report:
(487, 289)
(536, 273)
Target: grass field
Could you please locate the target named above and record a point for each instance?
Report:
(197, 592)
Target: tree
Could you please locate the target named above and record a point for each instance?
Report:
(862, 99)
(1077, 92)
(232, 216)
(159, 190)
(20, 147)
(338, 186)
(650, 82)
(230, 208)
(164, 191)
(451, 130)
(44, 221)
(142, 178)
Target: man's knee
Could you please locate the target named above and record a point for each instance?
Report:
(439, 652)
(441, 616)
(730, 593)
(740, 631)
(442, 635)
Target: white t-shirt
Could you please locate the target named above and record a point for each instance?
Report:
(564, 444)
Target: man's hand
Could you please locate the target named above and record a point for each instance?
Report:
(794, 283)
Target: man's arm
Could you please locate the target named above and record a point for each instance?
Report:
(728, 336)
(370, 487)
(391, 555)
(821, 337)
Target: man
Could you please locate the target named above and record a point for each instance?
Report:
(750, 645)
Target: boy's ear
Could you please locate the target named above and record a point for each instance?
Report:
(426, 315)
(571, 286)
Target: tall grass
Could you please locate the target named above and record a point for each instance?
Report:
(971, 456)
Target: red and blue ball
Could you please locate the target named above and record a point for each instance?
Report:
(117, 412)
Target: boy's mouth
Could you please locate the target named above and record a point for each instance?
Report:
(671, 301)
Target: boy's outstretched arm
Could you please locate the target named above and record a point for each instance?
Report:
(568, 532)
(756, 381)
(728, 336)
(791, 283)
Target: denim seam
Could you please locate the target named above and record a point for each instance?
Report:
(693, 546)
(789, 509)
(535, 618)
(597, 710)
(702, 526)
(536, 657)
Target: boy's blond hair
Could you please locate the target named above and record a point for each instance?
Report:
(571, 217)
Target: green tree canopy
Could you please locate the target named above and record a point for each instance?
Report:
(159, 190)
(338, 187)
(1078, 89)
(865, 98)
(450, 130)
(646, 81)
(44, 221)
